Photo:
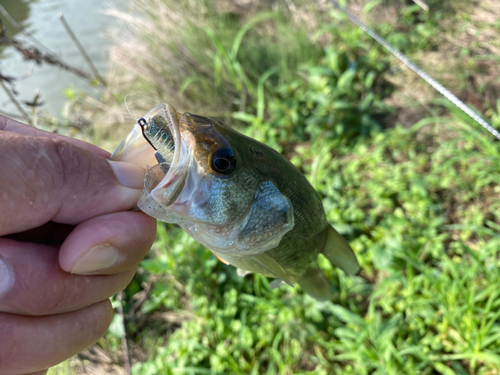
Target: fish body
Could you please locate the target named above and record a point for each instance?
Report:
(238, 197)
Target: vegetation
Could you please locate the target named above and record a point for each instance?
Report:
(415, 191)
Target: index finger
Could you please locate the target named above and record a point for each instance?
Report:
(9, 125)
(44, 179)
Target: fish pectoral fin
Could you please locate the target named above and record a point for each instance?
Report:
(314, 283)
(268, 263)
(339, 253)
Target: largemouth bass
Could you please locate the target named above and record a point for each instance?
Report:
(238, 197)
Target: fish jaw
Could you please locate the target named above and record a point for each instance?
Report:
(140, 145)
(166, 168)
(169, 185)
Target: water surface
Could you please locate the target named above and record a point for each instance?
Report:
(39, 17)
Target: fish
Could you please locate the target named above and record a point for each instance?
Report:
(236, 196)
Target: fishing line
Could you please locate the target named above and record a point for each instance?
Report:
(431, 81)
(126, 106)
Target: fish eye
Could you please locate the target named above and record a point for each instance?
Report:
(223, 161)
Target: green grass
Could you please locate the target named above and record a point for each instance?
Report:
(417, 201)
(425, 228)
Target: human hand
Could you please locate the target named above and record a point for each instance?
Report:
(67, 243)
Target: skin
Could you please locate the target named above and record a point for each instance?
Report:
(67, 242)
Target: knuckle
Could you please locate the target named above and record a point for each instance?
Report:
(25, 169)
(75, 166)
(80, 170)
(54, 165)
(46, 163)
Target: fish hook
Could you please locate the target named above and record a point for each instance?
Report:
(143, 123)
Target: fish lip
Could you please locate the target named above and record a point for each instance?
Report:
(137, 149)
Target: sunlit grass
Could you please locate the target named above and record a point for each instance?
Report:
(64, 368)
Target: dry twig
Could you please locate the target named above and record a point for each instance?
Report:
(81, 49)
(39, 57)
(126, 354)
(16, 103)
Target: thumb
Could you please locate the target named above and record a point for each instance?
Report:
(44, 179)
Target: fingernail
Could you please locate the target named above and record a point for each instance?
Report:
(128, 174)
(6, 277)
(97, 258)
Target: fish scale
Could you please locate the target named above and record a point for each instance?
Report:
(259, 213)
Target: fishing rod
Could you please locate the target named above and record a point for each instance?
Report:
(431, 81)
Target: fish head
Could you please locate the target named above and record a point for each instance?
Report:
(200, 181)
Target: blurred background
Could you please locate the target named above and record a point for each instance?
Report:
(404, 176)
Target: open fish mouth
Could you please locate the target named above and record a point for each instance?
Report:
(156, 145)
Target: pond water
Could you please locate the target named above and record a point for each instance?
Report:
(39, 18)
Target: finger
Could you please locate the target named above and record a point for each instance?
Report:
(10, 125)
(108, 244)
(33, 283)
(44, 179)
(32, 344)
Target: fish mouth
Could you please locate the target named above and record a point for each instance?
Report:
(156, 145)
